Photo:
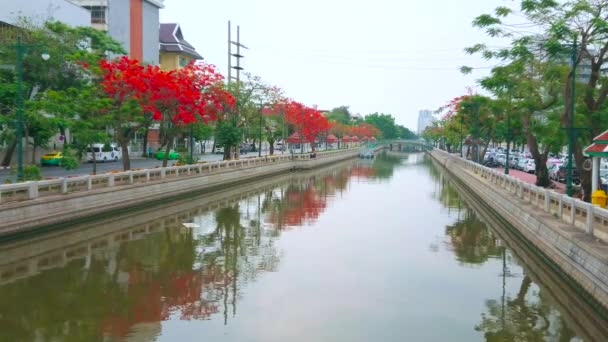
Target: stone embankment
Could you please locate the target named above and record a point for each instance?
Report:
(30, 206)
(571, 235)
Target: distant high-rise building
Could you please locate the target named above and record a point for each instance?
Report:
(425, 119)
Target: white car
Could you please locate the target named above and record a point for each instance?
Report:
(529, 166)
(104, 153)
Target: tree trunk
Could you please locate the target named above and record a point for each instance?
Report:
(145, 143)
(126, 162)
(540, 159)
(95, 160)
(168, 139)
(6, 161)
(271, 147)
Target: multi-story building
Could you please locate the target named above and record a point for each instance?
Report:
(39, 11)
(425, 119)
(134, 23)
(175, 51)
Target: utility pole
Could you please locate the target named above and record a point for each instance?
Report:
(238, 69)
(260, 129)
(508, 143)
(569, 189)
(229, 53)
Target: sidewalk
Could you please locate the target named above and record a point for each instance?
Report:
(531, 178)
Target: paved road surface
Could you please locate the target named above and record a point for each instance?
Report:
(87, 168)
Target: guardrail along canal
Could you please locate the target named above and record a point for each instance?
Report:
(382, 250)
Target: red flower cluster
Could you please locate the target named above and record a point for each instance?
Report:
(308, 121)
(189, 94)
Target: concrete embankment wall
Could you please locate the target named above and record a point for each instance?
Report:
(574, 253)
(37, 212)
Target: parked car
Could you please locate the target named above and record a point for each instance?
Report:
(500, 158)
(529, 166)
(104, 153)
(521, 163)
(244, 149)
(160, 155)
(563, 172)
(53, 158)
(553, 160)
(513, 162)
(219, 149)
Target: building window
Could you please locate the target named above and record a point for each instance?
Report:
(183, 61)
(98, 14)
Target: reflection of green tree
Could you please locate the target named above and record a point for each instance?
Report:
(472, 241)
(384, 166)
(523, 319)
(449, 196)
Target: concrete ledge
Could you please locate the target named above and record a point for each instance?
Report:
(580, 257)
(20, 217)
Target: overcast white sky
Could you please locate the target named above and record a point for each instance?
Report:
(390, 56)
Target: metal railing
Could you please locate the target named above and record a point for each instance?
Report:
(32, 190)
(584, 216)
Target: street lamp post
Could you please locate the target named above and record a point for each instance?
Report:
(21, 49)
(508, 143)
(260, 129)
(191, 142)
(569, 189)
(461, 136)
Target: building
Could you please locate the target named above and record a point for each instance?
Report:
(40, 11)
(175, 51)
(425, 119)
(134, 23)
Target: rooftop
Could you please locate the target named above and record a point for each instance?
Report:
(172, 40)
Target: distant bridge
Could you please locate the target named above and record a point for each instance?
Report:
(408, 145)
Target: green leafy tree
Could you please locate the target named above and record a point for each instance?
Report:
(385, 123)
(69, 48)
(340, 114)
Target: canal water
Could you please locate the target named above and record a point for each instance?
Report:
(384, 250)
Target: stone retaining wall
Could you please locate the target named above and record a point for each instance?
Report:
(20, 217)
(580, 256)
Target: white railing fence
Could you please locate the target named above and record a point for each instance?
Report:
(586, 217)
(39, 189)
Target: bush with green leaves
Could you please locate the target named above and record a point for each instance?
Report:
(69, 160)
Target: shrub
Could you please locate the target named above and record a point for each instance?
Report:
(31, 173)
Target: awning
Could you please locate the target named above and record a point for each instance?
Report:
(599, 150)
(331, 138)
(373, 139)
(355, 139)
(346, 138)
(294, 138)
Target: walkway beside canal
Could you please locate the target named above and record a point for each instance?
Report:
(570, 234)
(531, 179)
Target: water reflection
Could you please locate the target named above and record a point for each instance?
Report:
(211, 266)
(186, 265)
(526, 309)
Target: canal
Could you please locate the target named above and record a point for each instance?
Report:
(383, 250)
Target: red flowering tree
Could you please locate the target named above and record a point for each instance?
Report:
(307, 121)
(142, 94)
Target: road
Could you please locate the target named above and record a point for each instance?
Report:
(87, 168)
